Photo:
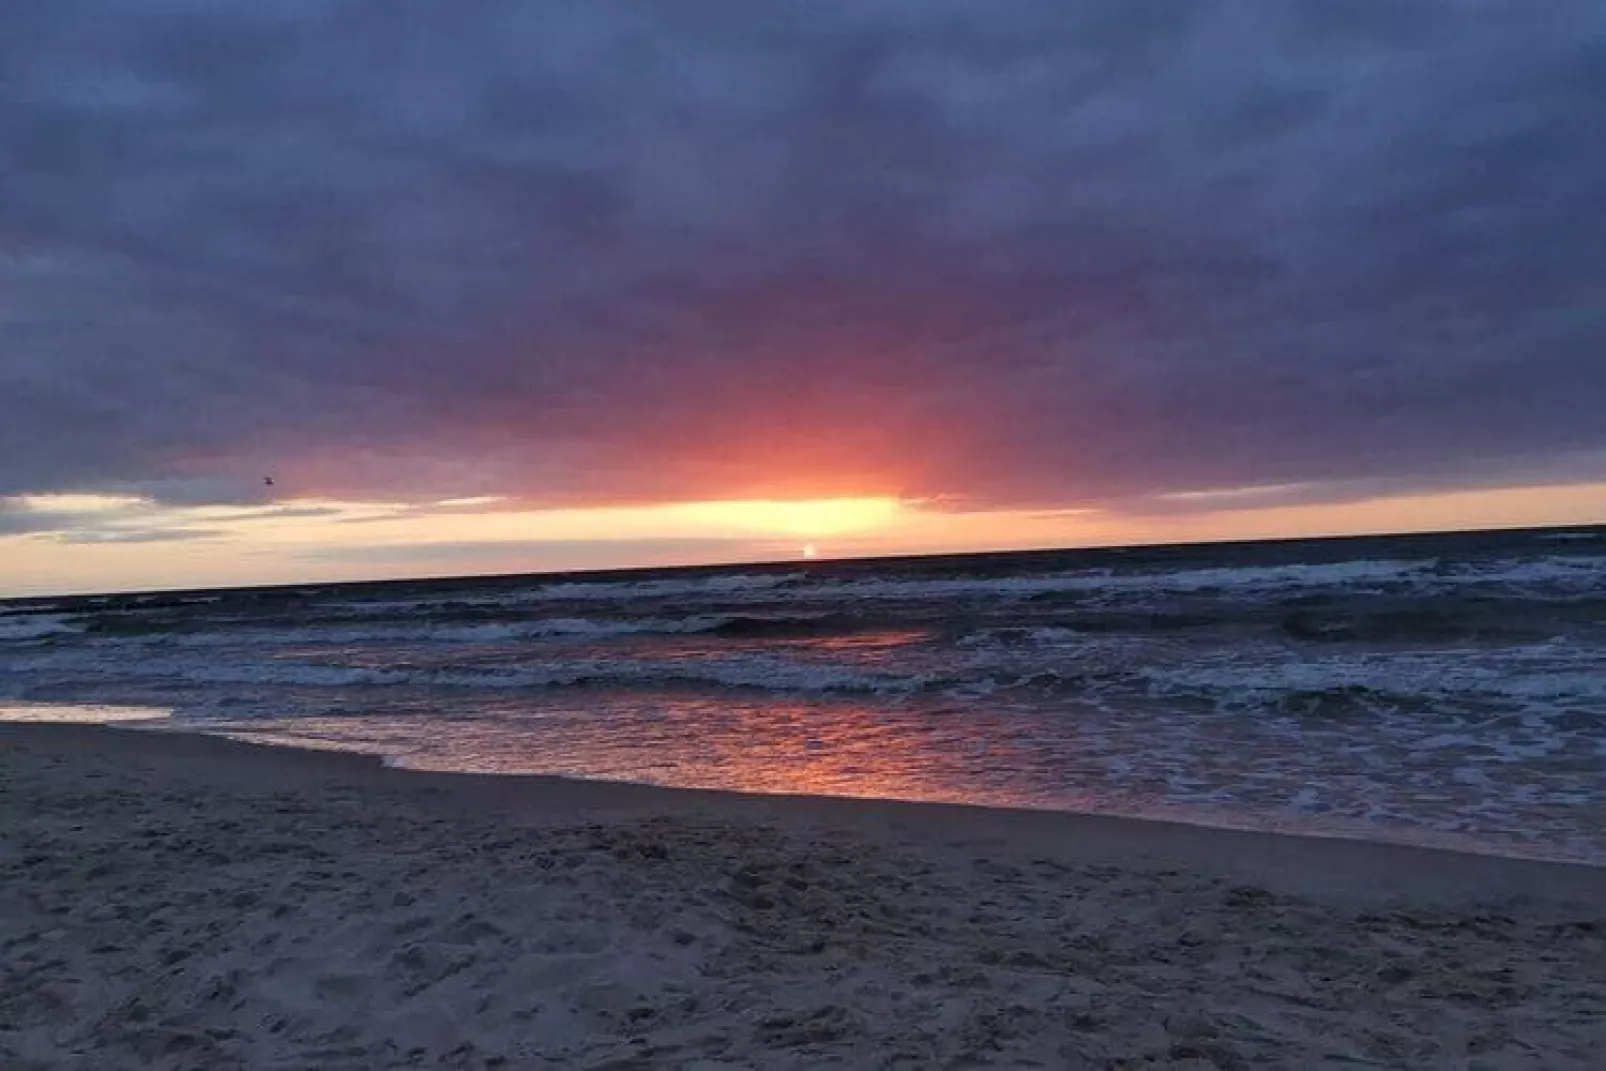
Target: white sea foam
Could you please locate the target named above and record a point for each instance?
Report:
(1359, 575)
(1569, 573)
(1541, 672)
(734, 671)
(768, 674)
(737, 584)
(1356, 574)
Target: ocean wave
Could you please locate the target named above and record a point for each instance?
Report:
(1353, 574)
(1022, 636)
(1580, 572)
(24, 609)
(778, 604)
(21, 628)
(550, 628)
(316, 635)
(781, 626)
(1563, 574)
(1444, 679)
(799, 587)
(624, 591)
(1425, 624)
(165, 601)
(735, 584)
(759, 673)
(1106, 581)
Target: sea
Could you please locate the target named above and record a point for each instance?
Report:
(1445, 690)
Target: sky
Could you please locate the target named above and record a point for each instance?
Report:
(546, 285)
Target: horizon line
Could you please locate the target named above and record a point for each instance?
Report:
(1596, 527)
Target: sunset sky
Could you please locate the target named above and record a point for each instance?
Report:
(511, 286)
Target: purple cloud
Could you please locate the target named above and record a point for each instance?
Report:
(1016, 253)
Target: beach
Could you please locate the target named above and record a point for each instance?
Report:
(179, 901)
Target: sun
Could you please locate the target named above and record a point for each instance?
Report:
(810, 551)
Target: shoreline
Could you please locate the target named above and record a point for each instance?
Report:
(175, 900)
(1355, 830)
(1288, 859)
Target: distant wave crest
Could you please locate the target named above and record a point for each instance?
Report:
(35, 627)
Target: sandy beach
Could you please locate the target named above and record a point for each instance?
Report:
(177, 901)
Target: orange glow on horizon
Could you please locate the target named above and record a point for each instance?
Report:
(808, 517)
(135, 544)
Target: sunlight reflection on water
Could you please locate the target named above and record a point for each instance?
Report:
(1101, 762)
(814, 748)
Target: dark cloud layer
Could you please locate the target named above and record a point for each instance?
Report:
(1014, 252)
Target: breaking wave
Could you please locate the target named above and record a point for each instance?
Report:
(1451, 680)
(747, 672)
(715, 586)
(314, 635)
(22, 628)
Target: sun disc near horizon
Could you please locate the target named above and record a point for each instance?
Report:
(810, 551)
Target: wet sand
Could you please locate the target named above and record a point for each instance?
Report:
(177, 901)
